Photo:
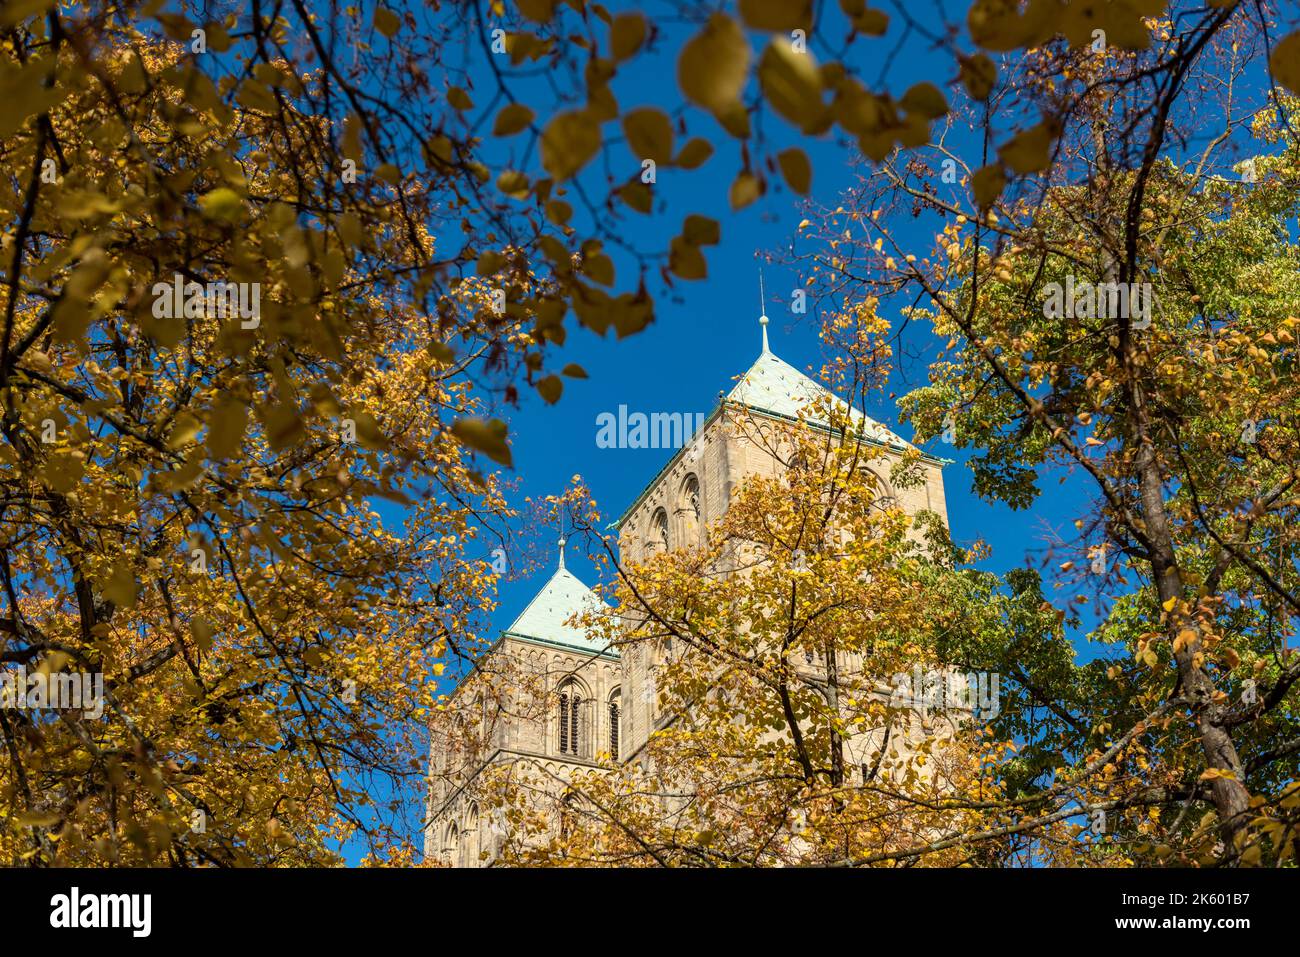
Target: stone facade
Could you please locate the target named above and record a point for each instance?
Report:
(508, 695)
(692, 491)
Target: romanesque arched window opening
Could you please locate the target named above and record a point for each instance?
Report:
(470, 839)
(883, 497)
(659, 531)
(451, 845)
(571, 719)
(615, 716)
(688, 510)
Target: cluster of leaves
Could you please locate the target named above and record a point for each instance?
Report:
(1175, 423)
(187, 501)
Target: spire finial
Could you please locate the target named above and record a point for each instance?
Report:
(762, 318)
(562, 539)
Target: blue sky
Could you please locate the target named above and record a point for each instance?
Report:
(706, 332)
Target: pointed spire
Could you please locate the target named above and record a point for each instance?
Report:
(762, 318)
(563, 542)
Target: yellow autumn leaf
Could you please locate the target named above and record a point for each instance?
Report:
(539, 11)
(184, 429)
(779, 16)
(1284, 62)
(569, 142)
(714, 63)
(626, 34)
(37, 818)
(17, 10)
(201, 631)
(1029, 151)
(255, 95)
(987, 183)
(649, 134)
(486, 436)
(386, 21)
(222, 203)
(550, 388)
(459, 99)
(226, 425)
(924, 98)
(512, 119)
(792, 86)
(796, 169)
(121, 588)
(701, 230)
(695, 153)
(744, 190)
(686, 260)
(978, 74)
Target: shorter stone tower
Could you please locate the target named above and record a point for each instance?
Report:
(544, 698)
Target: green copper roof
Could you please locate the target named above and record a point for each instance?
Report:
(773, 385)
(546, 618)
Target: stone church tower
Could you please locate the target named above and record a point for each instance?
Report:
(567, 698)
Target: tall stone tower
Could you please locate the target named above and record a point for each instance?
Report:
(694, 489)
(582, 699)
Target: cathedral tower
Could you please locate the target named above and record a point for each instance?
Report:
(561, 698)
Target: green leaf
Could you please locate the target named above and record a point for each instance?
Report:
(222, 204)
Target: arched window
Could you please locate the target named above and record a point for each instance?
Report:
(883, 497)
(688, 510)
(571, 715)
(615, 715)
(659, 531)
(470, 840)
(451, 845)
